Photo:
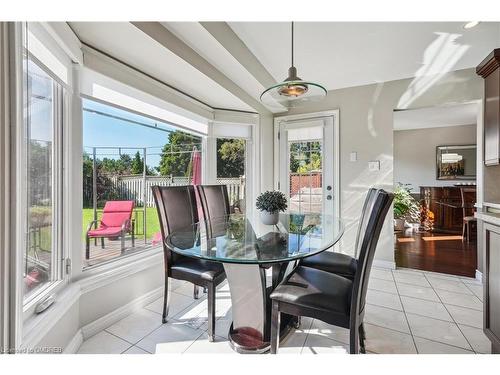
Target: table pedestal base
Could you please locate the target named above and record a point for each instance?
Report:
(251, 307)
(249, 341)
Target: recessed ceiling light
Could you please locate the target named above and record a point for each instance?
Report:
(471, 24)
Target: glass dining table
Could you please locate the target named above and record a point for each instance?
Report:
(248, 249)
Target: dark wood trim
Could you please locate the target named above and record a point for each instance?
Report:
(489, 64)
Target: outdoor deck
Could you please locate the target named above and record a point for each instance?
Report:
(112, 249)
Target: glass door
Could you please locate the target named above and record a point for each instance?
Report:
(307, 165)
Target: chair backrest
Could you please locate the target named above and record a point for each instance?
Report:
(468, 196)
(115, 213)
(176, 207)
(363, 220)
(214, 200)
(369, 238)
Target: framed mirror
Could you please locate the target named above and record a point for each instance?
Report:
(456, 162)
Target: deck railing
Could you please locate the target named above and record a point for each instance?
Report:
(131, 187)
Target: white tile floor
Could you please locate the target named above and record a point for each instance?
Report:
(407, 312)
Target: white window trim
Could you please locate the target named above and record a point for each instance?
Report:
(251, 152)
(24, 314)
(58, 171)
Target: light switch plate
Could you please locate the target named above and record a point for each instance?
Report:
(374, 165)
(353, 156)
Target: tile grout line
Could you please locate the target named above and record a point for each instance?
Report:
(404, 312)
(307, 335)
(465, 337)
(131, 346)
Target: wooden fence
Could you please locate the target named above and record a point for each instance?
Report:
(309, 180)
(131, 187)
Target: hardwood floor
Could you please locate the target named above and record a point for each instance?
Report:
(436, 252)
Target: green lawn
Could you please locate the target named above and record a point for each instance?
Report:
(152, 224)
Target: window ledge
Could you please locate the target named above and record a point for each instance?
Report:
(100, 275)
(38, 325)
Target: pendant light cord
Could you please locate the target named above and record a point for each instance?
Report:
(292, 43)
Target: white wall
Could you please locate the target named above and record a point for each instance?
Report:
(366, 126)
(415, 153)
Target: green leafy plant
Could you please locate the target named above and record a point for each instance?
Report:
(271, 201)
(405, 206)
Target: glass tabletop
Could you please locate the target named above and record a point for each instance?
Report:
(238, 239)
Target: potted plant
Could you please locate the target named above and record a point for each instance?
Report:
(405, 206)
(270, 204)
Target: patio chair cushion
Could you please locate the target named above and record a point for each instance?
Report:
(105, 232)
(115, 213)
(338, 263)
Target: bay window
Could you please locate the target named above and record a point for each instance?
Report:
(124, 155)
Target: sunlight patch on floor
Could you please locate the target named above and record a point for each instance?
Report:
(443, 238)
(406, 239)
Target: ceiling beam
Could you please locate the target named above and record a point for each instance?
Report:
(232, 43)
(167, 39)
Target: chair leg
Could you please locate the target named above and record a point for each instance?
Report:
(133, 238)
(211, 312)
(196, 292)
(362, 338)
(122, 242)
(275, 327)
(87, 247)
(463, 230)
(354, 340)
(102, 242)
(166, 295)
(468, 231)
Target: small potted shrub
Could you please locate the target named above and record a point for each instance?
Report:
(270, 204)
(405, 207)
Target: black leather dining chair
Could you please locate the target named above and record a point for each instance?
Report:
(214, 200)
(177, 209)
(328, 297)
(338, 263)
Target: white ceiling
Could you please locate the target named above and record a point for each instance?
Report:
(345, 54)
(125, 42)
(436, 117)
(334, 54)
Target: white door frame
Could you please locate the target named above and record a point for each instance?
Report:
(335, 115)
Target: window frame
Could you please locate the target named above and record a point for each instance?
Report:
(250, 155)
(60, 108)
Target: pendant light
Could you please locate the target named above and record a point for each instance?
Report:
(293, 91)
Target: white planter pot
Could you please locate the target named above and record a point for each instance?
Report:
(399, 224)
(269, 218)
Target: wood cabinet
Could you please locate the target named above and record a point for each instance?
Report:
(445, 202)
(489, 69)
(492, 283)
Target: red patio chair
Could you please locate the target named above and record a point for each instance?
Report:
(116, 222)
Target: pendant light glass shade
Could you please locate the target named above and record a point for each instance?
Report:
(293, 91)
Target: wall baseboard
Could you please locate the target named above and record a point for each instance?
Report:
(384, 264)
(114, 316)
(74, 344)
(479, 276)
